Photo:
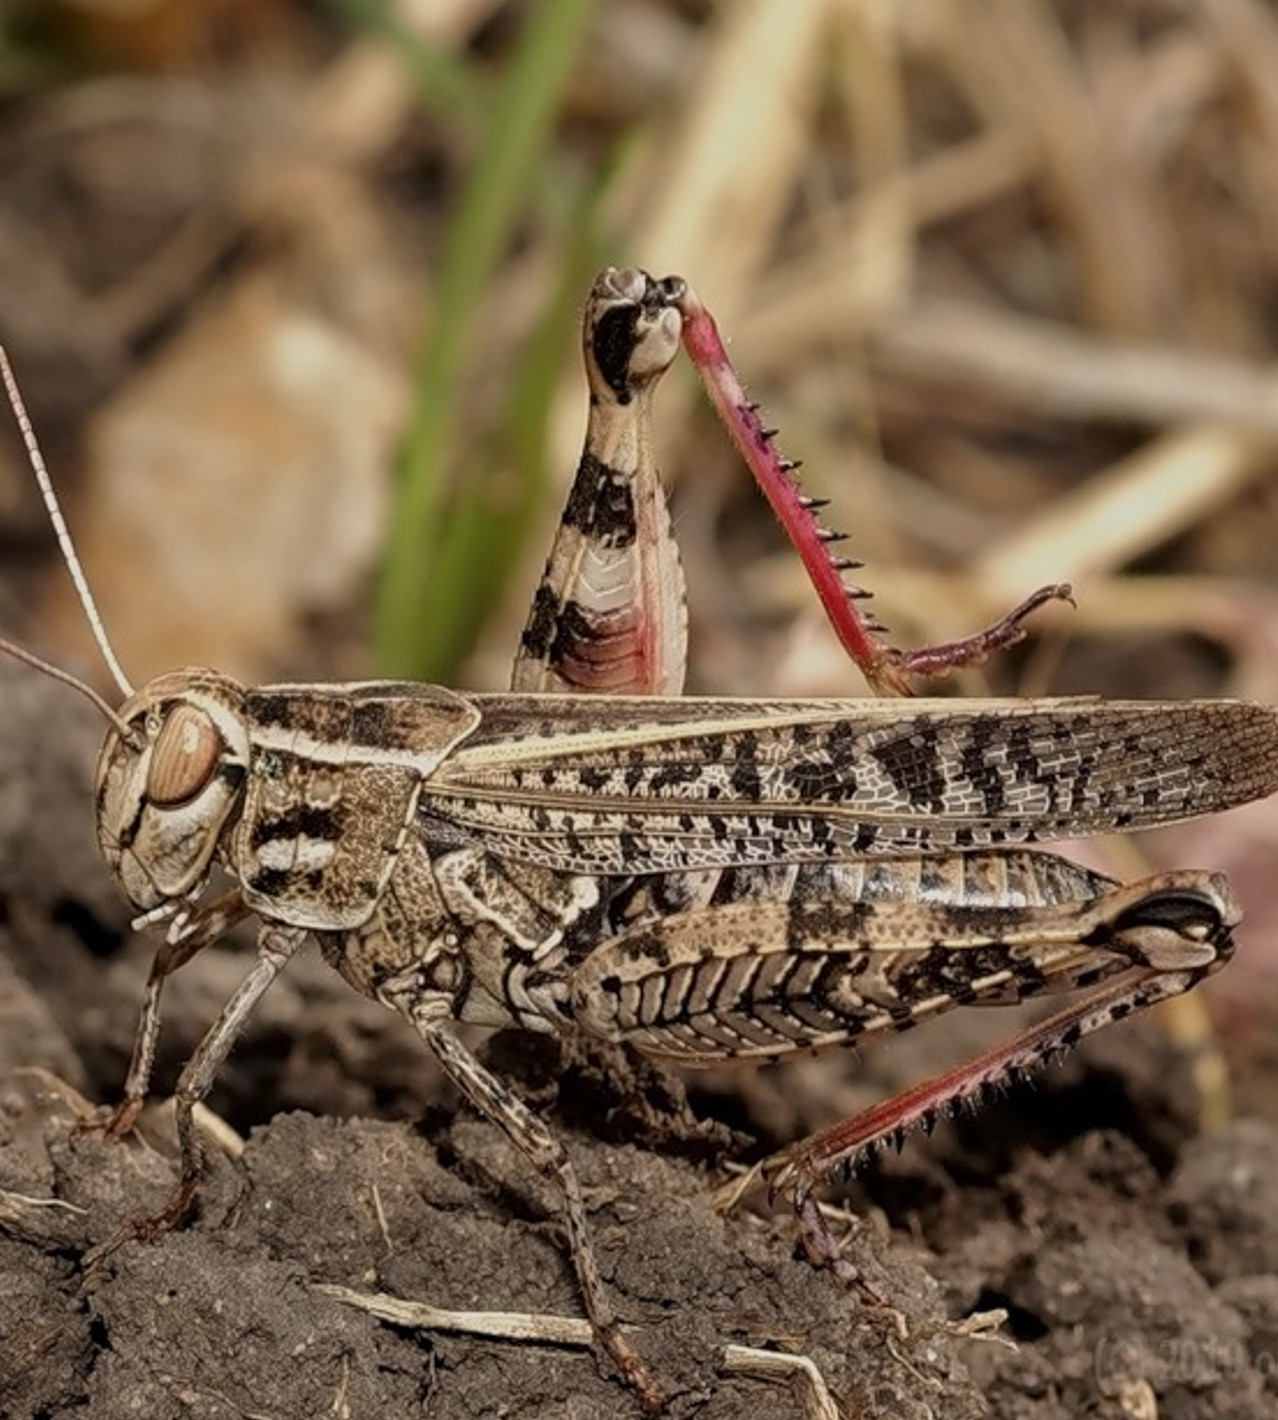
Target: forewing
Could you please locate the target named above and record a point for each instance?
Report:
(637, 785)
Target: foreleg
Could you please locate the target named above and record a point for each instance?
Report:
(190, 938)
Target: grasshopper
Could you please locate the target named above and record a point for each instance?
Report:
(699, 878)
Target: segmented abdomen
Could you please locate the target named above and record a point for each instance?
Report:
(767, 961)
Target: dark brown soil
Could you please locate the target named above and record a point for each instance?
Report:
(1128, 1253)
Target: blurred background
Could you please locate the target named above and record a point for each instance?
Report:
(293, 288)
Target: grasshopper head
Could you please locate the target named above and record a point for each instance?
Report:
(172, 768)
(169, 777)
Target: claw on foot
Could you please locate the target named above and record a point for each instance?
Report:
(974, 650)
(629, 1362)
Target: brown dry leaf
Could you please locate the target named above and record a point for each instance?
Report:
(266, 437)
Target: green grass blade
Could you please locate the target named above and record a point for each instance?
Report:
(512, 161)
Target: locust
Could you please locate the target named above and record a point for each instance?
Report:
(698, 878)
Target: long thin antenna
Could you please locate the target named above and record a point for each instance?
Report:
(20, 653)
(54, 508)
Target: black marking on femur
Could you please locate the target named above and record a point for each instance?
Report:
(601, 503)
(1180, 911)
(576, 634)
(613, 344)
(650, 946)
(299, 821)
(943, 971)
(822, 925)
(539, 634)
(1183, 911)
(913, 764)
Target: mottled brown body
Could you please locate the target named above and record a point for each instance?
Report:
(702, 878)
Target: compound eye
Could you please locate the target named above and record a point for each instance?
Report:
(184, 759)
